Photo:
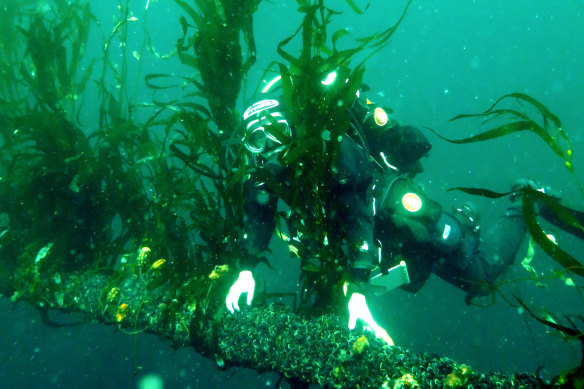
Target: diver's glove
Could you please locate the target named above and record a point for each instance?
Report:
(244, 284)
(358, 310)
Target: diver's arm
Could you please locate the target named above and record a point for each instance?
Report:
(260, 211)
(352, 212)
(500, 245)
(474, 268)
(351, 208)
(546, 211)
(434, 241)
(362, 249)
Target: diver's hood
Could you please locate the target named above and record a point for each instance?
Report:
(402, 147)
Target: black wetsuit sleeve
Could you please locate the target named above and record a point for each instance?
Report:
(475, 270)
(359, 232)
(260, 221)
(351, 210)
(500, 245)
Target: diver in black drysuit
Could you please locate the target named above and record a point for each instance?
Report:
(349, 210)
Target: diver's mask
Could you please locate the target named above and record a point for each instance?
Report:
(266, 129)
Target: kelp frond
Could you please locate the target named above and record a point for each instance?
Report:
(548, 126)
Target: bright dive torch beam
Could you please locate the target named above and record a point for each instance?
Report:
(394, 278)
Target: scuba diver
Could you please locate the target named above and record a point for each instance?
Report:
(349, 209)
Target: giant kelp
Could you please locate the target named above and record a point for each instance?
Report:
(138, 222)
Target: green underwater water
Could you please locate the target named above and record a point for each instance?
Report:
(444, 60)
